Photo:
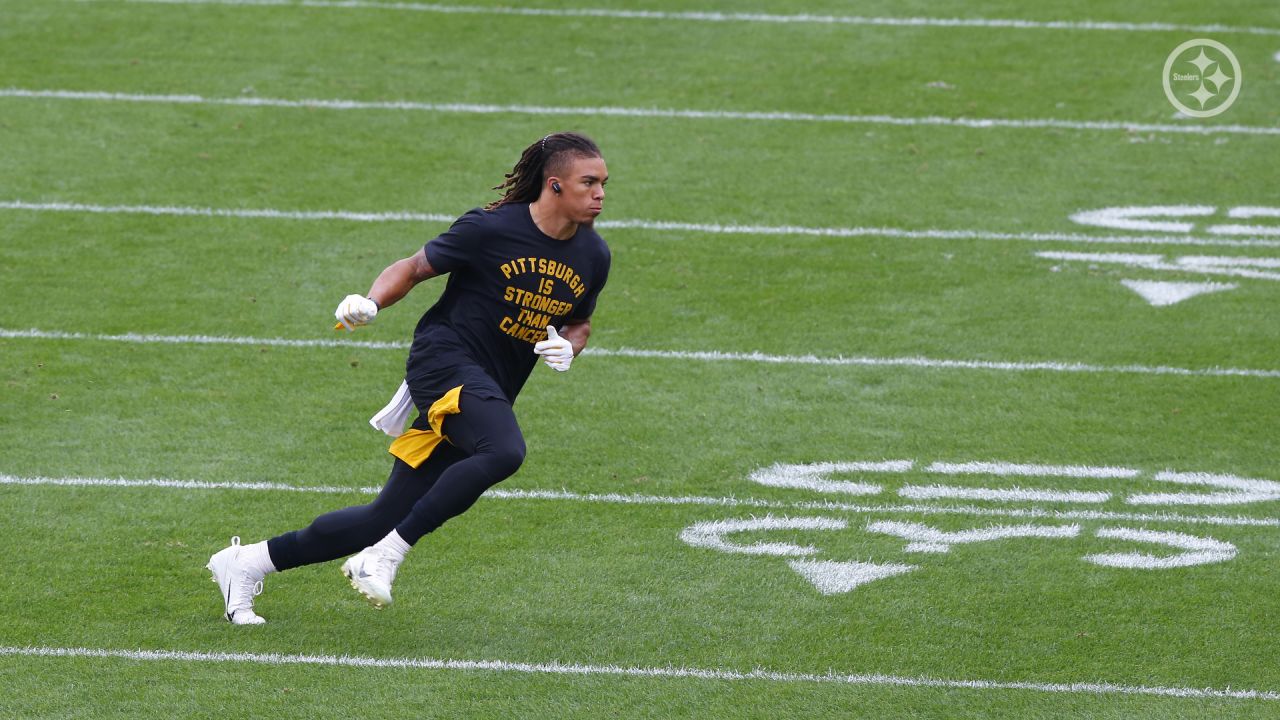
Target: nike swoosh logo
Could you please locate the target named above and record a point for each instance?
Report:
(362, 575)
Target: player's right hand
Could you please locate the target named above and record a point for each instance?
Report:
(355, 310)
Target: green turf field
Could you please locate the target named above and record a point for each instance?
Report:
(871, 425)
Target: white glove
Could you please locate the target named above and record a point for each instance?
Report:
(556, 352)
(355, 310)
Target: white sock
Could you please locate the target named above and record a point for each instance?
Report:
(393, 544)
(257, 558)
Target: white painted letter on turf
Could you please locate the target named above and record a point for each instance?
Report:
(1240, 490)
(934, 492)
(1137, 218)
(923, 538)
(1165, 293)
(1198, 551)
(813, 476)
(710, 534)
(1245, 213)
(1140, 219)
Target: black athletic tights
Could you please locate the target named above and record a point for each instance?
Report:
(485, 447)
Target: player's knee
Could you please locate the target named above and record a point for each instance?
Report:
(507, 457)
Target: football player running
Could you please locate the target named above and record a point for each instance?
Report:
(524, 274)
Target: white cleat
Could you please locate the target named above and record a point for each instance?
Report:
(371, 571)
(238, 584)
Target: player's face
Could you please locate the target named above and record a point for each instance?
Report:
(583, 186)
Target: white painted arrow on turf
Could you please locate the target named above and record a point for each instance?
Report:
(834, 578)
(1163, 294)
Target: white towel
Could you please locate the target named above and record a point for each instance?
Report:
(391, 419)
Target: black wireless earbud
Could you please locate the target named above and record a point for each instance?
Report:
(555, 186)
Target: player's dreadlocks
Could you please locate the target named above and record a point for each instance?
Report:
(540, 161)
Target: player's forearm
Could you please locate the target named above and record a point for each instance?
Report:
(577, 335)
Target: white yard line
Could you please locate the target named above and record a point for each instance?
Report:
(664, 500)
(242, 213)
(635, 224)
(184, 485)
(705, 356)
(701, 356)
(632, 671)
(635, 112)
(713, 16)
(144, 339)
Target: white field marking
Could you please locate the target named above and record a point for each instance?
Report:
(1233, 267)
(710, 534)
(665, 673)
(1229, 265)
(1252, 211)
(1199, 551)
(669, 500)
(655, 225)
(1254, 230)
(1138, 218)
(704, 356)
(736, 17)
(1241, 490)
(1246, 213)
(1135, 259)
(1164, 294)
(146, 339)
(812, 476)
(637, 112)
(835, 578)
(934, 492)
(1031, 470)
(922, 538)
(923, 362)
(241, 213)
(1135, 218)
(931, 234)
(183, 485)
(1198, 261)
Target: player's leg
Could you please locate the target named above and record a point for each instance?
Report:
(239, 569)
(487, 433)
(342, 532)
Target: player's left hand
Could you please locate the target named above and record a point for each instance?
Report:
(556, 351)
